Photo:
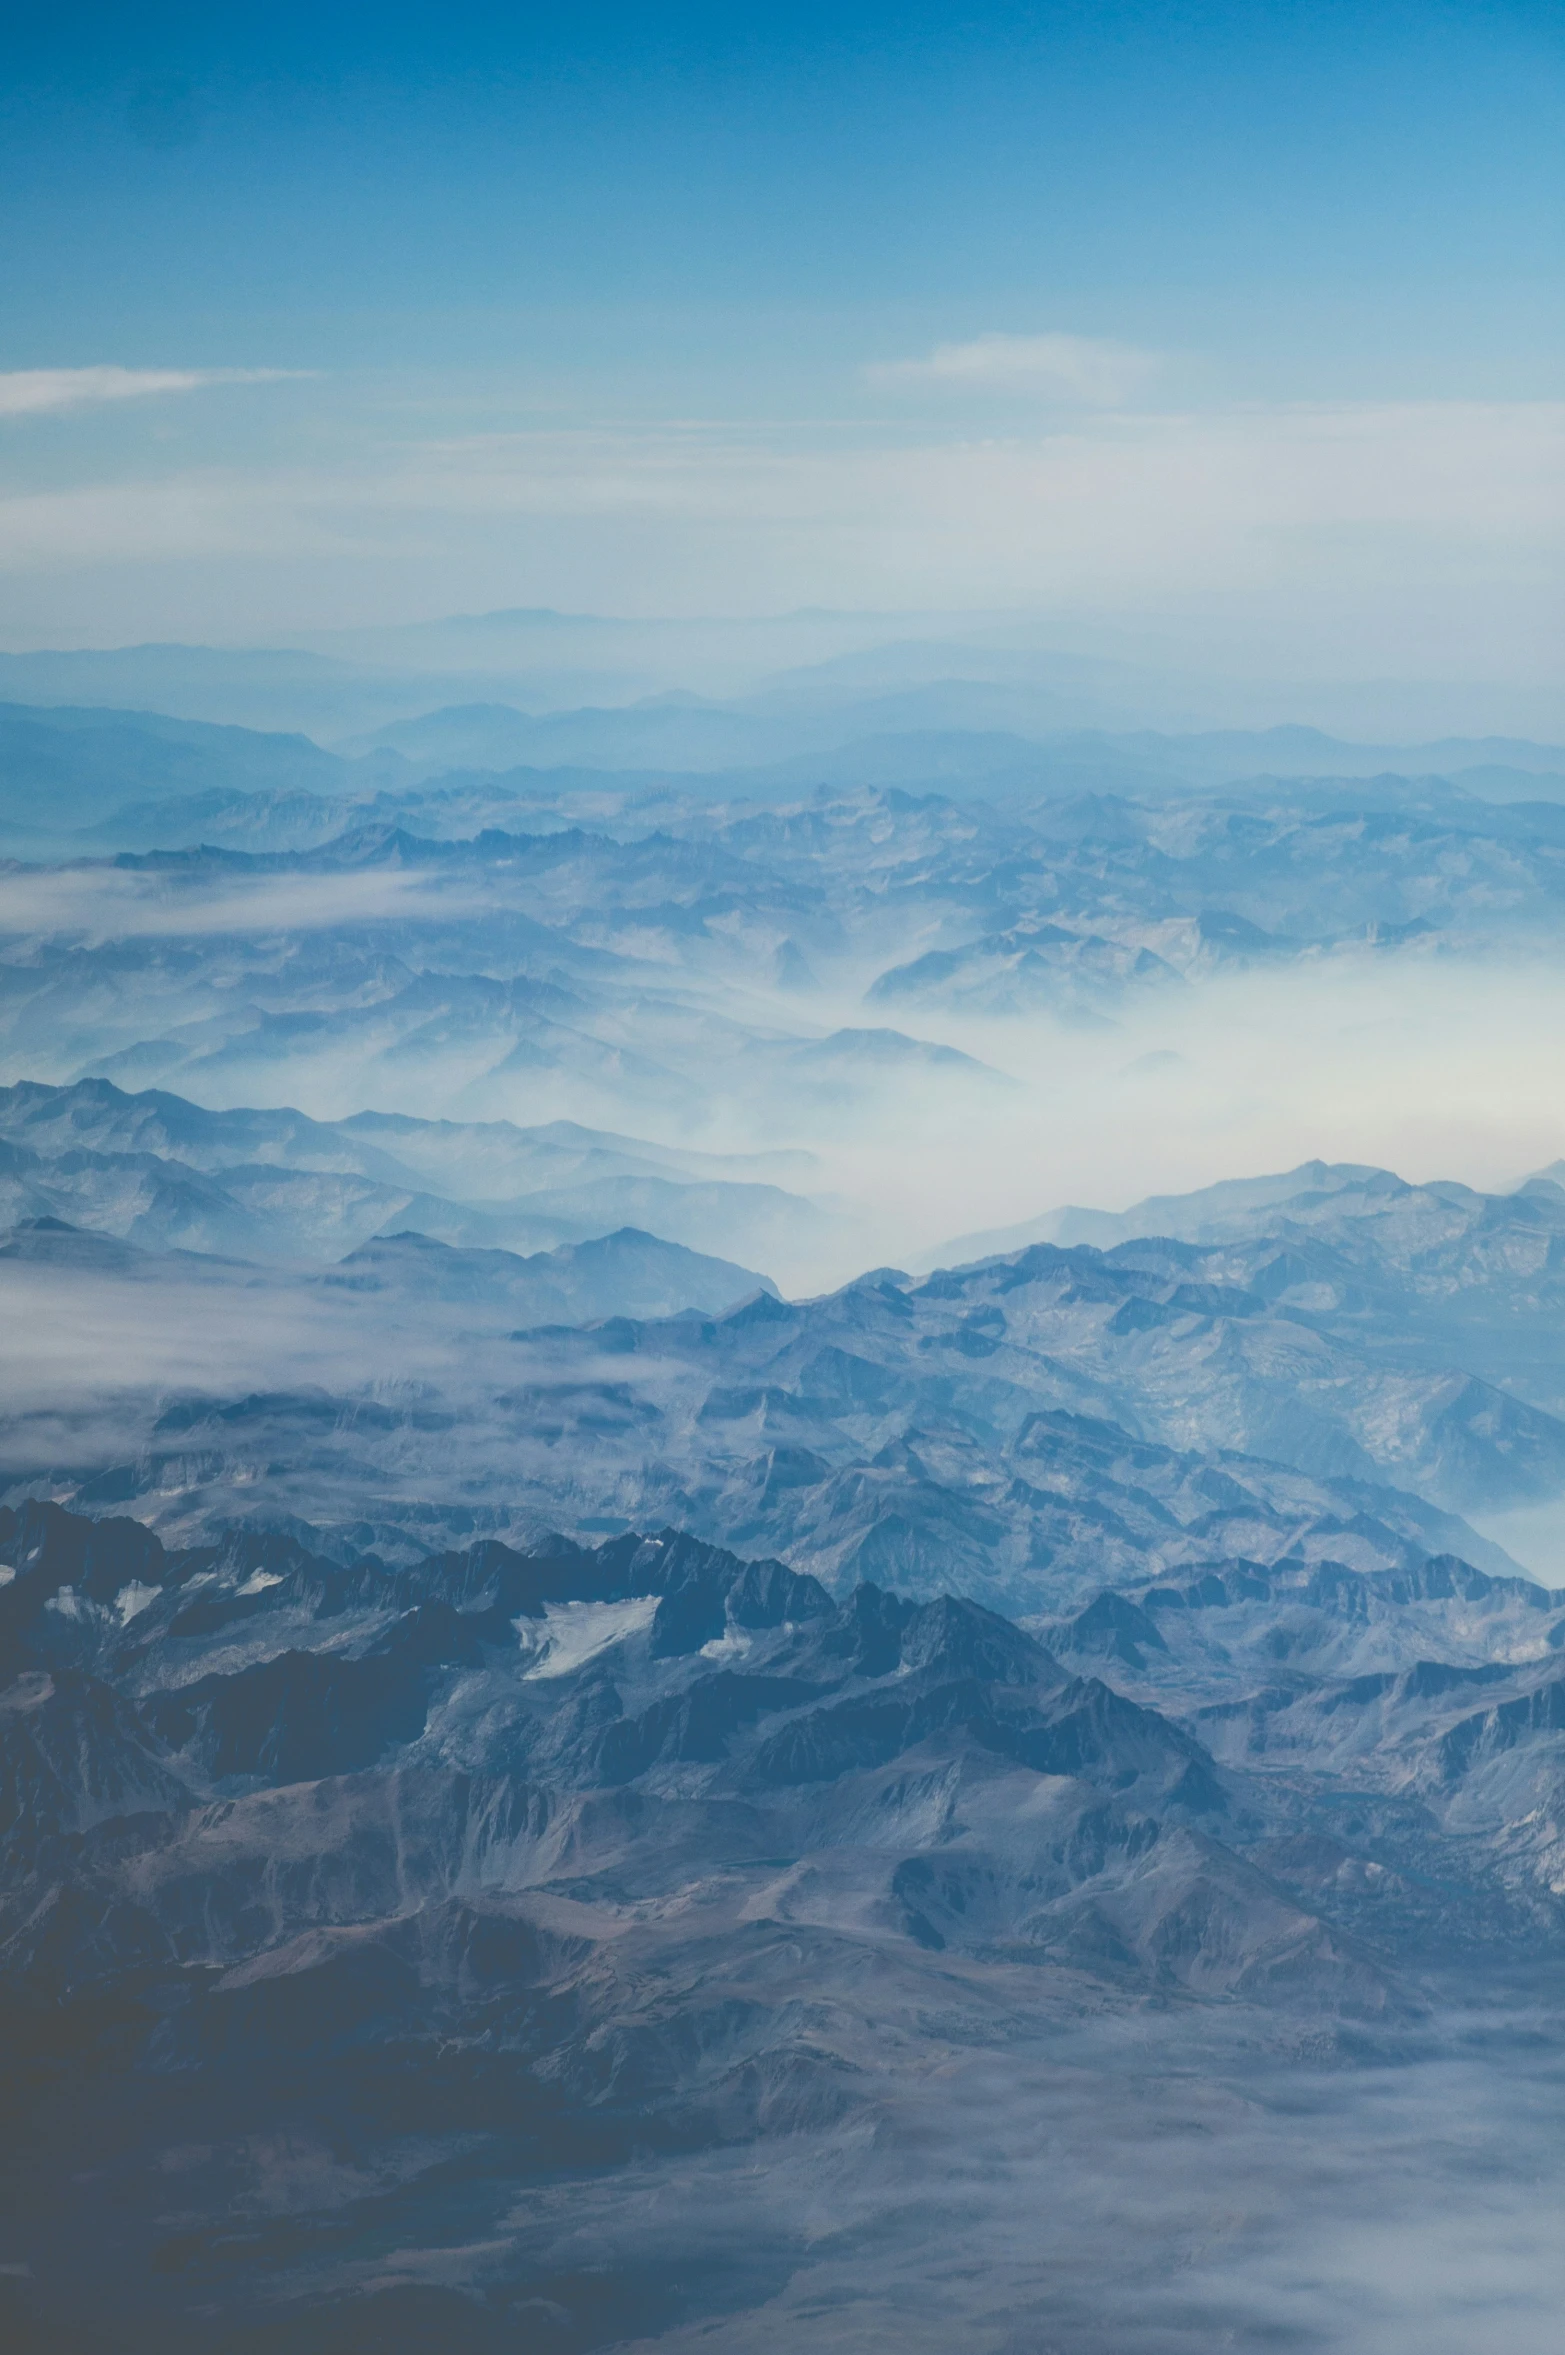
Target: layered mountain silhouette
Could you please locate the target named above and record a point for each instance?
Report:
(608, 944)
(570, 1779)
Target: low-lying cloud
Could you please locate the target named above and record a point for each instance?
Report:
(101, 903)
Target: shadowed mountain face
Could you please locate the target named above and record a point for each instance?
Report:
(604, 1859)
(561, 1792)
(343, 1902)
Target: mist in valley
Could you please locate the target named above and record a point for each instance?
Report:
(782, 1554)
(782, 1185)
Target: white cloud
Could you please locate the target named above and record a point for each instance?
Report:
(1365, 540)
(36, 392)
(100, 903)
(1073, 368)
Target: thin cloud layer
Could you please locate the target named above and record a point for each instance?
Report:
(1083, 369)
(102, 903)
(37, 392)
(1361, 539)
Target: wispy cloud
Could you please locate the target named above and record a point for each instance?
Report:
(1362, 540)
(34, 392)
(102, 903)
(1075, 368)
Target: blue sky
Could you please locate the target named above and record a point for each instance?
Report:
(1365, 198)
(456, 229)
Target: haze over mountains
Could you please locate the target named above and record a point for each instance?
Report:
(335, 683)
(782, 1181)
(247, 919)
(646, 1695)
(84, 730)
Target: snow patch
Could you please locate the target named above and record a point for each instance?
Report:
(731, 1645)
(133, 1598)
(576, 1632)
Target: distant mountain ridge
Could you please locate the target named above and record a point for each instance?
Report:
(72, 770)
(1338, 1199)
(156, 1169)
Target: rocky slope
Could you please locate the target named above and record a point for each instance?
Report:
(340, 1900)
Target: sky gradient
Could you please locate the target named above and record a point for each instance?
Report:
(1239, 319)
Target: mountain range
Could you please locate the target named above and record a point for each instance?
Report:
(608, 1860)
(744, 977)
(605, 1742)
(162, 1172)
(1337, 1350)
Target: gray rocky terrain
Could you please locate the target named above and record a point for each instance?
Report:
(596, 1751)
